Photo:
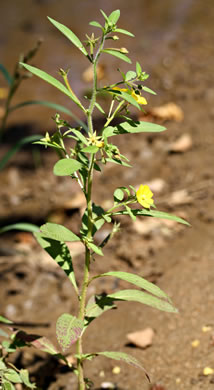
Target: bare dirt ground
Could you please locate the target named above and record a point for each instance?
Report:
(179, 259)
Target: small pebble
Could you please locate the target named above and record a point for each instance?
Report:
(108, 386)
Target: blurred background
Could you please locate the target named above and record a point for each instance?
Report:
(163, 30)
(174, 44)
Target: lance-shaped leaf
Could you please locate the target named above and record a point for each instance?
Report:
(51, 80)
(96, 249)
(133, 127)
(117, 54)
(153, 213)
(58, 232)
(125, 32)
(96, 306)
(124, 357)
(124, 96)
(68, 330)
(6, 74)
(95, 24)
(70, 35)
(5, 320)
(15, 148)
(142, 297)
(66, 167)
(146, 89)
(55, 106)
(60, 253)
(137, 281)
(114, 16)
(24, 226)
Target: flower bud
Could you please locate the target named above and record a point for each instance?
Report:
(123, 50)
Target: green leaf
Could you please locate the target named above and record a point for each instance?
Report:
(3, 334)
(66, 167)
(90, 149)
(117, 54)
(104, 15)
(5, 320)
(133, 127)
(153, 213)
(16, 148)
(97, 305)
(70, 35)
(95, 24)
(138, 69)
(2, 365)
(149, 90)
(142, 297)
(116, 161)
(61, 254)
(51, 80)
(55, 106)
(58, 232)
(122, 31)
(97, 212)
(8, 386)
(25, 379)
(45, 345)
(80, 136)
(12, 375)
(137, 281)
(118, 195)
(114, 16)
(99, 108)
(130, 75)
(68, 330)
(24, 226)
(124, 357)
(130, 213)
(126, 96)
(6, 74)
(95, 248)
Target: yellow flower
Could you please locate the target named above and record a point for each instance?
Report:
(144, 196)
(139, 99)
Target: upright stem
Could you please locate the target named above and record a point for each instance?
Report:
(82, 305)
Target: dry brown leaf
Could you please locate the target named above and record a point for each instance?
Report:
(182, 144)
(142, 338)
(169, 111)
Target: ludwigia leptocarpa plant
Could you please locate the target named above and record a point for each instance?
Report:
(93, 150)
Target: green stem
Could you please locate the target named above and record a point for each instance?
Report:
(114, 113)
(82, 306)
(82, 297)
(94, 92)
